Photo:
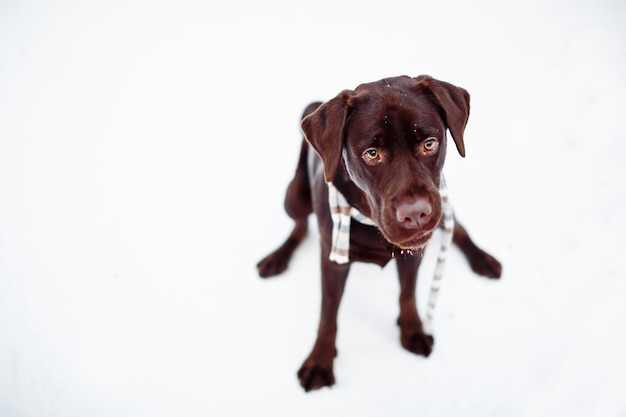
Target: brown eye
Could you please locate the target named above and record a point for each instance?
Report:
(430, 145)
(371, 156)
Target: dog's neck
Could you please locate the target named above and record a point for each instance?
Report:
(353, 194)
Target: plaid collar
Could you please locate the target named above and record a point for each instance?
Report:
(341, 213)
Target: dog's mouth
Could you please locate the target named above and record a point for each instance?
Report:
(411, 236)
(415, 243)
(407, 239)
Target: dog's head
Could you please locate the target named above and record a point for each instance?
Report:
(391, 136)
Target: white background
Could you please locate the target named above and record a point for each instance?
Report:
(145, 148)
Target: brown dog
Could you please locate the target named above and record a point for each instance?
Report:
(382, 146)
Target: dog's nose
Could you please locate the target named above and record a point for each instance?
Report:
(414, 214)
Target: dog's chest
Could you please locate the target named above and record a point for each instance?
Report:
(368, 245)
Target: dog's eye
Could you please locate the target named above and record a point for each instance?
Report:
(371, 156)
(430, 145)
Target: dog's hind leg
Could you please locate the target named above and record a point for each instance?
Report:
(298, 207)
(480, 261)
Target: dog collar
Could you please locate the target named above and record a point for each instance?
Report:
(341, 212)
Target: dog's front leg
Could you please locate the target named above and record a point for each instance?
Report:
(317, 370)
(412, 335)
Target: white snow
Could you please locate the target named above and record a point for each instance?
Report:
(145, 147)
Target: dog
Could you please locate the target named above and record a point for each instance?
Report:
(381, 147)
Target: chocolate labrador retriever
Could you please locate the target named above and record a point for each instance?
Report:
(380, 149)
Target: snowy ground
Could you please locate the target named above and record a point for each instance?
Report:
(144, 152)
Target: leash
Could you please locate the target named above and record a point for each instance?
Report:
(446, 242)
(341, 213)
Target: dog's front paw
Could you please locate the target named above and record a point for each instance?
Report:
(314, 375)
(417, 342)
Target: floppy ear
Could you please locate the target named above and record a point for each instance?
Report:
(323, 129)
(454, 101)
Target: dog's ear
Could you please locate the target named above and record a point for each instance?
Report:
(455, 103)
(323, 129)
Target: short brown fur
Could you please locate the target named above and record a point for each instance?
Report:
(383, 147)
